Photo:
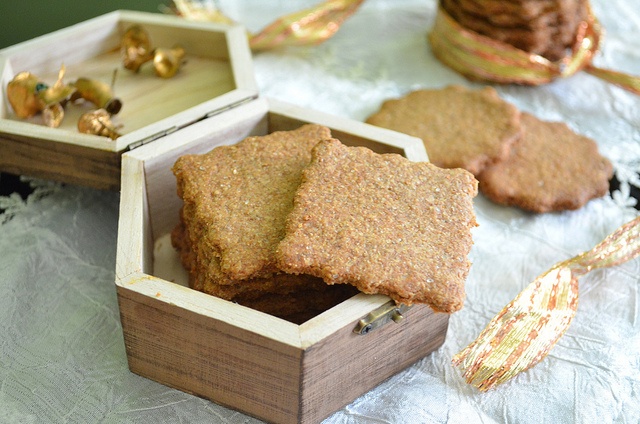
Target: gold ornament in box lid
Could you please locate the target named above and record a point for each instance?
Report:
(191, 70)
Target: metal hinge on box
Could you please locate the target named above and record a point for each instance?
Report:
(175, 128)
(390, 311)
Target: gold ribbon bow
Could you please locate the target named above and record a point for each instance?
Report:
(524, 332)
(309, 26)
(482, 58)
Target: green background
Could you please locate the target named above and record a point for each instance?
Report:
(21, 20)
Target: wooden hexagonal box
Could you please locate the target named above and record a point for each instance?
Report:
(264, 366)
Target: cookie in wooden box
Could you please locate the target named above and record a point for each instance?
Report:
(272, 368)
(383, 224)
(236, 200)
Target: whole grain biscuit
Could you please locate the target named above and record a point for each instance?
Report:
(181, 242)
(550, 169)
(505, 14)
(534, 40)
(460, 127)
(572, 14)
(383, 224)
(525, 9)
(236, 198)
(211, 280)
(295, 298)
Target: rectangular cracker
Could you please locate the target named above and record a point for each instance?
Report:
(383, 224)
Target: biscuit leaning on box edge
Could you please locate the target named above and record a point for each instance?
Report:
(295, 298)
(237, 289)
(384, 224)
(236, 199)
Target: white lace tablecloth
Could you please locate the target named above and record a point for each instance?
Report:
(62, 356)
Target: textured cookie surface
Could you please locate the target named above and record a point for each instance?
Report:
(383, 224)
(236, 198)
(235, 201)
(206, 275)
(295, 298)
(550, 169)
(460, 128)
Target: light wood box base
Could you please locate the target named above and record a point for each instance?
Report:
(235, 356)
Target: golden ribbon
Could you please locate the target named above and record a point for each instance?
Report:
(310, 26)
(306, 27)
(482, 58)
(473, 55)
(524, 332)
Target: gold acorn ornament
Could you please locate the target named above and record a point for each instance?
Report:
(53, 115)
(28, 96)
(167, 62)
(98, 122)
(136, 48)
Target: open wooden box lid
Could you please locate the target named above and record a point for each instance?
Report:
(236, 356)
(218, 74)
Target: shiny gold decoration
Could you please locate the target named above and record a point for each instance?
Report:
(167, 62)
(97, 92)
(23, 95)
(136, 51)
(53, 115)
(59, 92)
(98, 122)
(136, 48)
(201, 12)
(28, 96)
(524, 332)
(482, 58)
(309, 26)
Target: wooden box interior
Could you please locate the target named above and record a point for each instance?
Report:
(238, 357)
(217, 73)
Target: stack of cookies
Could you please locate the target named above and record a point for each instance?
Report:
(235, 202)
(518, 159)
(544, 27)
(294, 222)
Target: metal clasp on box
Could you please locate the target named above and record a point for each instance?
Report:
(390, 311)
